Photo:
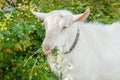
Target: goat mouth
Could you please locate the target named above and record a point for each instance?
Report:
(48, 51)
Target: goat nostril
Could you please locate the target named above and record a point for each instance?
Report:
(46, 48)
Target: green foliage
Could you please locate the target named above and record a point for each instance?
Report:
(21, 33)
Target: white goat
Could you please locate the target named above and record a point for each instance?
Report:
(87, 51)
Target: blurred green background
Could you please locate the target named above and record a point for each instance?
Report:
(21, 33)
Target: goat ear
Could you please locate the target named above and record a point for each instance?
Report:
(39, 14)
(81, 17)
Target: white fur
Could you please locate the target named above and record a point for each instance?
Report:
(96, 55)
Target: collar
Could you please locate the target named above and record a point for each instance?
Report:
(74, 43)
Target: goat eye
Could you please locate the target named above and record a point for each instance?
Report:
(64, 27)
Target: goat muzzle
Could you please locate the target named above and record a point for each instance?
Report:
(46, 48)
